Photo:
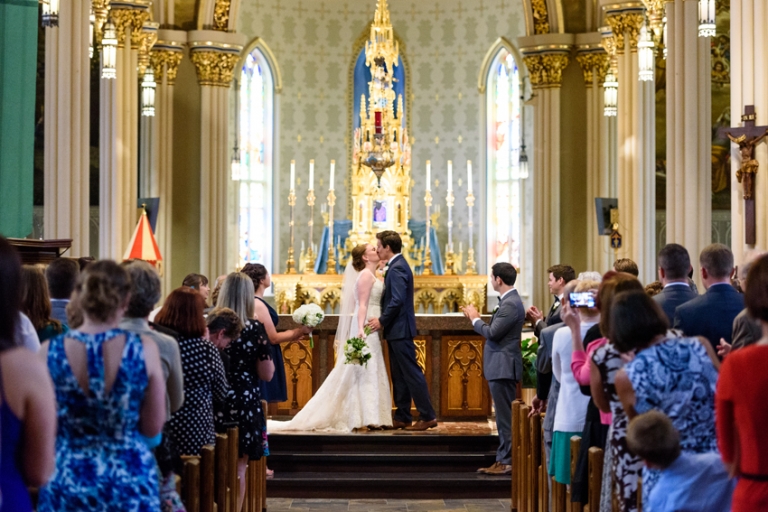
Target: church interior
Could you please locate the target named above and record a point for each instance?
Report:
(206, 135)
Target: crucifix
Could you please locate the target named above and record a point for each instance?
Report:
(747, 137)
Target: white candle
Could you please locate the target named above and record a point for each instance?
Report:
(293, 174)
(469, 176)
(450, 176)
(311, 175)
(333, 168)
(429, 172)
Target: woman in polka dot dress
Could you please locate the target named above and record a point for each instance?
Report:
(192, 427)
(249, 361)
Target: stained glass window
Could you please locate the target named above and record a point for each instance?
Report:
(255, 119)
(503, 161)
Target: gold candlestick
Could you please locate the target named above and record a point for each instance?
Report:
(331, 267)
(290, 264)
(309, 264)
(471, 266)
(449, 258)
(427, 254)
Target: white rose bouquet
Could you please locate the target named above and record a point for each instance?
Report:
(357, 351)
(309, 315)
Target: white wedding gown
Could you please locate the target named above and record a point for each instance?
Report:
(352, 396)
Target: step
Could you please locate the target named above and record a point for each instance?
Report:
(375, 442)
(381, 462)
(406, 485)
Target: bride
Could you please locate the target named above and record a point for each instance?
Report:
(352, 396)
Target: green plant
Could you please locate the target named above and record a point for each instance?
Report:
(529, 348)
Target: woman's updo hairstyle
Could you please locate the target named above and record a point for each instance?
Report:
(103, 288)
(357, 257)
(257, 272)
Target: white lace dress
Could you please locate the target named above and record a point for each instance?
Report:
(352, 396)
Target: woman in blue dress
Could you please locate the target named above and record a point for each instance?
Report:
(676, 376)
(111, 397)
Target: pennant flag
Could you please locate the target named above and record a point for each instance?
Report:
(143, 245)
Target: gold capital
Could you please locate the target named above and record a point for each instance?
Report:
(591, 62)
(540, 17)
(166, 61)
(214, 67)
(625, 24)
(546, 69)
(129, 21)
(148, 38)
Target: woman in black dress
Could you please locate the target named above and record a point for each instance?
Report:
(192, 427)
(250, 361)
(276, 390)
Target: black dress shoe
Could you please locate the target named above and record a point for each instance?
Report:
(423, 425)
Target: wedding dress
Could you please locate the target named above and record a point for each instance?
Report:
(352, 396)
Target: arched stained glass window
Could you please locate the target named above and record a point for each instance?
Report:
(503, 161)
(256, 123)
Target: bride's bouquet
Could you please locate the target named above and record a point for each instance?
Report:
(309, 315)
(356, 349)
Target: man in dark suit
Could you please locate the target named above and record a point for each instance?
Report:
(502, 357)
(711, 315)
(61, 275)
(559, 276)
(674, 267)
(547, 386)
(398, 321)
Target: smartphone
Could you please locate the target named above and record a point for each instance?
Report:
(581, 300)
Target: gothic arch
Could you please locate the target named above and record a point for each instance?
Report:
(543, 16)
(260, 44)
(490, 56)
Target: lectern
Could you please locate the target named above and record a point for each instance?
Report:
(40, 251)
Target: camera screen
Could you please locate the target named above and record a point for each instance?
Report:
(582, 300)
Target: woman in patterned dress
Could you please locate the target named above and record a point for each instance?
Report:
(111, 396)
(249, 361)
(191, 427)
(676, 376)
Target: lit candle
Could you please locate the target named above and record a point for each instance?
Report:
(469, 176)
(429, 172)
(293, 174)
(333, 168)
(450, 176)
(311, 175)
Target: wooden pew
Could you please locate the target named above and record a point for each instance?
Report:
(517, 457)
(595, 479)
(207, 478)
(190, 483)
(575, 449)
(233, 454)
(222, 493)
(543, 488)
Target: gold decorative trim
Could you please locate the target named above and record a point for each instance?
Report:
(421, 354)
(214, 67)
(540, 17)
(490, 55)
(165, 61)
(625, 24)
(221, 15)
(147, 40)
(591, 62)
(546, 69)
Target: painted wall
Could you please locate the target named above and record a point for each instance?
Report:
(443, 43)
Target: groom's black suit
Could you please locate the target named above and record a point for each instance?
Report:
(398, 321)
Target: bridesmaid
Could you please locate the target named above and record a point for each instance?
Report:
(276, 390)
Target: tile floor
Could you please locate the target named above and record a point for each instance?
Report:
(393, 505)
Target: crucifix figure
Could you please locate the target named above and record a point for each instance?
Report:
(747, 137)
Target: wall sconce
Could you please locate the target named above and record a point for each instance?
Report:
(148, 93)
(50, 13)
(707, 18)
(610, 95)
(645, 55)
(109, 52)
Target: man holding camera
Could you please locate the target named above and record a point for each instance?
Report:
(502, 357)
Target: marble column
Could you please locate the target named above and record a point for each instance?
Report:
(215, 64)
(636, 176)
(749, 86)
(166, 57)
(545, 56)
(601, 140)
(66, 161)
(689, 141)
(119, 144)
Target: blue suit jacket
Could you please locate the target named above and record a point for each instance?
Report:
(398, 318)
(673, 296)
(710, 315)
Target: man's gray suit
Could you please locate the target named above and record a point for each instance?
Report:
(746, 330)
(503, 364)
(544, 367)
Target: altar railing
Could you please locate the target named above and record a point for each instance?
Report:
(432, 294)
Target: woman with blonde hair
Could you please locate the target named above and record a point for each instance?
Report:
(247, 353)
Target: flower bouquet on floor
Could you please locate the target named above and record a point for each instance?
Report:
(357, 350)
(309, 315)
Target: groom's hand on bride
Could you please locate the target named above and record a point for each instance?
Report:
(374, 324)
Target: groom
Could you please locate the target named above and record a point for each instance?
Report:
(398, 321)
